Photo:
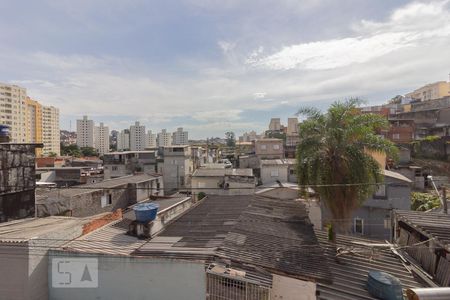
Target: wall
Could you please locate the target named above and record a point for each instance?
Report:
(17, 181)
(266, 171)
(127, 277)
(14, 270)
(285, 288)
(176, 171)
(270, 152)
(210, 185)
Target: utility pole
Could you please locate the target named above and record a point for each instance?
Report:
(444, 195)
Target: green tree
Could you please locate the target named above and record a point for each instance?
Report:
(424, 201)
(52, 154)
(230, 138)
(333, 158)
(70, 150)
(88, 151)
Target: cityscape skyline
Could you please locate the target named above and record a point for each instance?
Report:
(212, 67)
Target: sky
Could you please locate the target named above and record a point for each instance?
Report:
(213, 66)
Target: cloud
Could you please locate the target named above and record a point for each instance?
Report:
(407, 27)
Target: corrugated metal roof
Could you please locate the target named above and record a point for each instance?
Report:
(222, 172)
(350, 273)
(286, 161)
(278, 236)
(396, 175)
(431, 224)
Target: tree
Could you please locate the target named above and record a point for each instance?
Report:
(52, 154)
(89, 151)
(424, 201)
(70, 150)
(333, 158)
(230, 138)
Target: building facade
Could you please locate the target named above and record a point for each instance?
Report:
(431, 91)
(85, 132)
(101, 135)
(118, 164)
(164, 139)
(50, 130)
(137, 137)
(180, 137)
(123, 140)
(177, 167)
(151, 140)
(13, 111)
(269, 149)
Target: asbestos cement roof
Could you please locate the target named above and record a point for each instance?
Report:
(431, 224)
(396, 176)
(279, 162)
(349, 275)
(276, 235)
(222, 172)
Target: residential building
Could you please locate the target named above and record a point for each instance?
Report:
(68, 137)
(34, 123)
(249, 136)
(50, 130)
(373, 218)
(85, 133)
(67, 176)
(180, 137)
(118, 164)
(292, 128)
(431, 91)
(177, 167)
(101, 134)
(164, 139)
(151, 140)
(278, 170)
(17, 184)
(269, 149)
(106, 196)
(13, 111)
(123, 140)
(223, 181)
(137, 137)
(275, 124)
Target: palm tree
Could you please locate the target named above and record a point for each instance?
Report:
(333, 158)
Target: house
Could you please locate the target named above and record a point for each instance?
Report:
(17, 180)
(177, 167)
(118, 164)
(373, 218)
(105, 196)
(24, 246)
(64, 176)
(278, 170)
(223, 181)
(269, 148)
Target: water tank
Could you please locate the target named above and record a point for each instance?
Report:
(4, 134)
(384, 286)
(145, 212)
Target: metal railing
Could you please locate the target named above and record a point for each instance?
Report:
(223, 287)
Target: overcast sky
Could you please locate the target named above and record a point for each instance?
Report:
(215, 65)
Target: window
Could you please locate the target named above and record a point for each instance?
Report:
(274, 173)
(291, 171)
(276, 147)
(114, 168)
(396, 136)
(263, 147)
(387, 223)
(358, 225)
(106, 200)
(381, 192)
(201, 184)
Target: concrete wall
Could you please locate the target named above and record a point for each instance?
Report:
(286, 288)
(269, 149)
(14, 270)
(176, 171)
(210, 185)
(126, 277)
(266, 173)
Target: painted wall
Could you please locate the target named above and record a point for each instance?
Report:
(285, 288)
(126, 277)
(268, 170)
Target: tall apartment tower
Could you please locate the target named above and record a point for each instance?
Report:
(101, 134)
(50, 130)
(85, 132)
(151, 140)
(13, 111)
(164, 139)
(292, 128)
(180, 137)
(137, 137)
(123, 140)
(275, 124)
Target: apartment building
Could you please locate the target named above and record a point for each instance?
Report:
(151, 140)
(137, 137)
(164, 139)
(180, 137)
(177, 167)
(101, 134)
(275, 124)
(34, 123)
(431, 91)
(50, 130)
(85, 132)
(123, 140)
(269, 149)
(13, 111)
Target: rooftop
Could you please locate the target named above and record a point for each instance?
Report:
(128, 152)
(350, 273)
(396, 176)
(105, 184)
(287, 161)
(222, 172)
(430, 224)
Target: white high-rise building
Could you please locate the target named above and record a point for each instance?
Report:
(101, 134)
(85, 132)
(50, 130)
(275, 124)
(180, 137)
(13, 111)
(151, 140)
(164, 139)
(292, 128)
(137, 137)
(123, 140)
